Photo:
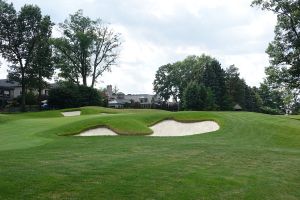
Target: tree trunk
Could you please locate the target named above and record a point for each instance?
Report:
(40, 91)
(93, 82)
(23, 103)
(84, 80)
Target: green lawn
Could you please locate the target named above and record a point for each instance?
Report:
(252, 156)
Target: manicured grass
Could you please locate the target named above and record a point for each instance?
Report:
(252, 156)
(294, 116)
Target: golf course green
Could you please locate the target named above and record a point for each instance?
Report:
(251, 156)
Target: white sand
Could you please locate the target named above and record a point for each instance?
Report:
(98, 132)
(165, 128)
(70, 114)
(174, 128)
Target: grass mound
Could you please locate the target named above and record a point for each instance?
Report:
(252, 156)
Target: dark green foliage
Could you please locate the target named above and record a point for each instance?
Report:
(30, 99)
(21, 36)
(271, 111)
(197, 97)
(214, 78)
(253, 102)
(171, 80)
(271, 98)
(224, 89)
(164, 81)
(284, 50)
(235, 87)
(70, 95)
(87, 49)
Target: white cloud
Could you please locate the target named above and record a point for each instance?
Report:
(251, 66)
(156, 32)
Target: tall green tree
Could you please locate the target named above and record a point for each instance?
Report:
(214, 78)
(235, 87)
(278, 94)
(87, 49)
(196, 97)
(284, 50)
(164, 82)
(19, 38)
(223, 89)
(42, 65)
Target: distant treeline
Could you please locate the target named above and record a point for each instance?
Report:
(200, 83)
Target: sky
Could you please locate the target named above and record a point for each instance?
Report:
(157, 32)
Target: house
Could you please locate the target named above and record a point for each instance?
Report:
(10, 90)
(120, 100)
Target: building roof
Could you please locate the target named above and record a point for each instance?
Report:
(7, 83)
(137, 97)
(118, 101)
(237, 107)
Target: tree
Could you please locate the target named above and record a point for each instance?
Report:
(285, 49)
(214, 78)
(277, 94)
(42, 64)
(115, 90)
(68, 95)
(19, 38)
(163, 82)
(235, 87)
(195, 97)
(87, 49)
(271, 98)
(224, 89)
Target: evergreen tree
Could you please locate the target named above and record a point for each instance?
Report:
(214, 78)
(196, 97)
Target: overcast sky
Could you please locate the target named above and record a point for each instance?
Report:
(157, 32)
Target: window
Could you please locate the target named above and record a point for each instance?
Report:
(143, 100)
(6, 93)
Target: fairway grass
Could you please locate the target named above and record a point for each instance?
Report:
(251, 156)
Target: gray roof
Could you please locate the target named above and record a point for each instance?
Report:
(118, 101)
(137, 97)
(237, 107)
(7, 83)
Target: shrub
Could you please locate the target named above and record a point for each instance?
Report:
(67, 95)
(30, 99)
(271, 111)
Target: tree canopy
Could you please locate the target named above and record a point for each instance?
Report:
(87, 48)
(199, 82)
(284, 50)
(21, 37)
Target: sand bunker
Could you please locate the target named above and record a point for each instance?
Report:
(98, 132)
(164, 128)
(71, 113)
(174, 128)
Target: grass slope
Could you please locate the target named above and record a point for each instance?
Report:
(252, 156)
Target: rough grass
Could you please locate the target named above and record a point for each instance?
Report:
(252, 156)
